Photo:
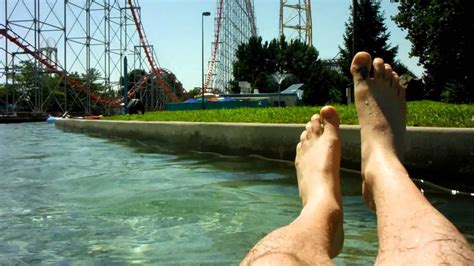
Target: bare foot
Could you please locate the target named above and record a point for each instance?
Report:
(316, 235)
(410, 230)
(381, 107)
(318, 157)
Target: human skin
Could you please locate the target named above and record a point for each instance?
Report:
(316, 235)
(409, 228)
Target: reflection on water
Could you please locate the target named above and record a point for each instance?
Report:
(70, 198)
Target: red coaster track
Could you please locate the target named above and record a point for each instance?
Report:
(216, 45)
(54, 67)
(149, 56)
(221, 27)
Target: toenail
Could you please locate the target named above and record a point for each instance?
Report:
(328, 111)
(363, 70)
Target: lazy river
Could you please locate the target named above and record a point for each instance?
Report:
(69, 198)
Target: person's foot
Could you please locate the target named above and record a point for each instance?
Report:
(317, 162)
(410, 230)
(381, 108)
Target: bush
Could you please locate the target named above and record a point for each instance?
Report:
(325, 86)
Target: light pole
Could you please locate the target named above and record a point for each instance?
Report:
(125, 86)
(204, 14)
(354, 27)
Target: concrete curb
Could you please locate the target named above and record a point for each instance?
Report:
(434, 151)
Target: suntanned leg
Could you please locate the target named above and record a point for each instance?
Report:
(316, 235)
(410, 229)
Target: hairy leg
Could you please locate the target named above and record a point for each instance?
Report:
(316, 235)
(410, 229)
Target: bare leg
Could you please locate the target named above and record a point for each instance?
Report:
(316, 235)
(410, 229)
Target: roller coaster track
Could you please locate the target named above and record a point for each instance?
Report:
(138, 85)
(218, 28)
(216, 45)
(250, 8)
(144, 41)
(55, 68)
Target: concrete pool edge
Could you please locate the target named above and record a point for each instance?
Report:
(431, 150)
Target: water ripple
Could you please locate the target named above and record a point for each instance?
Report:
(74, 199)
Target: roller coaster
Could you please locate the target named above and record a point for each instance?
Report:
(75, 40)
(235, 23)
(35, 29)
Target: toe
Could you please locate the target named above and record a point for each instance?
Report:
(388, 72)
(360, 67)
(379, 68)
(303, 136)
(331, 120)
(397, 87)
(309, 130)
(316, 124)
(298, 148)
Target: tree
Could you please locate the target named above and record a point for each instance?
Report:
(90, 79)
(261, 82)
(194, 92)
(299, 58)
(257, 62)
(234, 86)
(440, 33)
(370, 35)
(251, 60)
(25, 82)
(325, 85)
(135, 76)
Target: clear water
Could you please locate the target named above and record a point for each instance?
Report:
(74, 199)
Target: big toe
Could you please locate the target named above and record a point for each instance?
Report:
(330, 119)
(360, 67)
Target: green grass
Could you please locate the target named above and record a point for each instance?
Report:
(424, 113)
(436, 114)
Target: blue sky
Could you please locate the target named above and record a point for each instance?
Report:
(174, 28)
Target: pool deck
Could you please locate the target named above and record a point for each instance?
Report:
(446, 152)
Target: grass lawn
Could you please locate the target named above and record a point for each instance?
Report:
(423, 113)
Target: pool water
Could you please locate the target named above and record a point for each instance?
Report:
(69, 198)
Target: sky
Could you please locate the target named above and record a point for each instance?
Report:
(174, 28)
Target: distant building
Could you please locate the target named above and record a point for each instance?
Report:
(295, 88)
(292, 96)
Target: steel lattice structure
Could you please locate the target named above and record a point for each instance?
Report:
(234, 24)
(296, 21)
(75, 39)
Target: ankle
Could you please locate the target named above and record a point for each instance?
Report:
(379, 161)
(324, 200)
(385, 141)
